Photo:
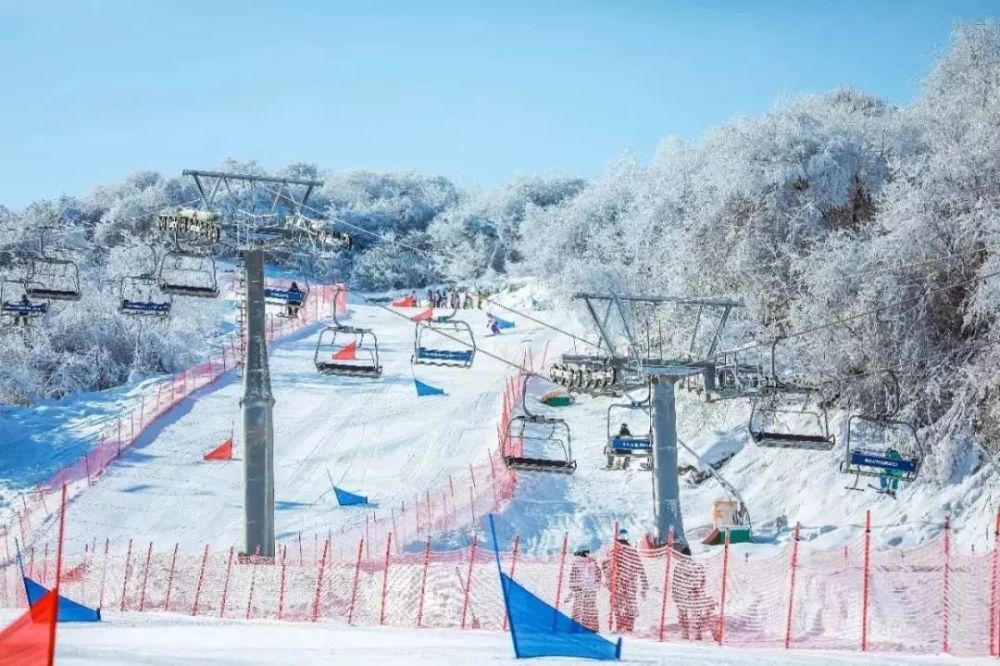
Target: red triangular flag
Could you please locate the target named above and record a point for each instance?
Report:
(426, 315)
(346, 353)
(405, 302)
(30, 639)
(223, 451)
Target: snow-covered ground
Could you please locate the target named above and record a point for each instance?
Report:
(174, 640)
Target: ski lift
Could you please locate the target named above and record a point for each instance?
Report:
(200, 224)
(454, 344)
(290, 300)
(16, 302)
(54, 278)
(319, 233)
(347, 351)
(883, 447)
(188, 274)
(623, 444)
(531, 439)
(141, 296)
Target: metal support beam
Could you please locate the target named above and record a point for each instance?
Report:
(258, 427)
(666, 483)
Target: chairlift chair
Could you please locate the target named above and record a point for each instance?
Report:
(199, 224)
(141, 296)
(366, 360)
(54, 278)
(290, 300)
(531, 439)
(621, 448)
(454, 332)
(897, 454)
(766, 412)
(16, 302)
(188, 274)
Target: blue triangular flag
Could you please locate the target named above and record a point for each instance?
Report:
(539, 630)
(345, 498)
(69, 611)
(426, 389)
(503, 323)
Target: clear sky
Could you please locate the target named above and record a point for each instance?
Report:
(477, 91)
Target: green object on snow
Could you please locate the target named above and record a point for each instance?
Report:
(736, 535)
(562, 400)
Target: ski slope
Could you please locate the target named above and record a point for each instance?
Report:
(173, 640)
(370, 436)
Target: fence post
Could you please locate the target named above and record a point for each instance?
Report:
(354, 585)
(128, 559)
(562, 566)
(513, 566)
(104, 572)
(253, 581)
(170, 578)
(385, 578)
(468, 579)
(666, 579)
(994, 592)
(423, 583)
(45, 564)
(145, 578)
(225, 585)
(201, 579)
(472, 504)
(319, 580)
(725, 577)
(945, 604)
(281, 588)
(791, 587)
(865, 582)
(300, 549)
(614, 578)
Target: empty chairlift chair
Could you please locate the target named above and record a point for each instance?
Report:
(17, 305)
(141, 296)
(626, 441)
(54, 278)
(774, 423)
(444, 341)
(537, 443)
(347, 351)
(188, 274)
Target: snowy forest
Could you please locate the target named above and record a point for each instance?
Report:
(864, 232)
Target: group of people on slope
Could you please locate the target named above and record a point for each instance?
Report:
(457, 298)
(625, 578)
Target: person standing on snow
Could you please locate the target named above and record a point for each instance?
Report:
(493, 325)
(584, 581)
(695, 609)
(626, 577)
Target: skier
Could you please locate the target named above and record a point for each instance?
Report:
(626, 577)
(584, 580)
(493, 325)
(888, 481)
(624, 431)
(24, 306)
(695, 609)
(294, 300)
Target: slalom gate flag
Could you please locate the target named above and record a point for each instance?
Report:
(30, 639)
(405, 302)
(539, 630)
(426, 315)
(68, 610)
(503, 323)
(345, 498)
(426, 389)
(346, 353)
(223, 451)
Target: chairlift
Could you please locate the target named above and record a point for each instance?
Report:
(320, 233)
(884, 447)
(188, 274)
(362, 361)
(54, 278)
(777, 423)
(16, 302)
(290, 300)
(623, 444)
(453, 343)
(531, 439)
(141, 296)
(192, 222)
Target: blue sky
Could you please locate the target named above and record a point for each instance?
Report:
(477, 91)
